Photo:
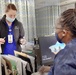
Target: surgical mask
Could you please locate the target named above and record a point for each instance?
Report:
(10, 19)
(58, 39)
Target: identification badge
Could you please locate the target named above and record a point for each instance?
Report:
(10, 38)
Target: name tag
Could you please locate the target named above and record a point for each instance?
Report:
(10, 38)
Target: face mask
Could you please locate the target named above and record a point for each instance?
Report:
(10, 19)
(58, 39)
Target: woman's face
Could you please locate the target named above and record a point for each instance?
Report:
(59, 32)
(63, 34)
(58, 28)
(11, 13)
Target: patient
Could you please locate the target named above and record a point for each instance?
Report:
(65, 60)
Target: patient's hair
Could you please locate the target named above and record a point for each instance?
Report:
(68, 20)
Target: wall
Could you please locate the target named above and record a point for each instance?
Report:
(45, 20)
(66, 6)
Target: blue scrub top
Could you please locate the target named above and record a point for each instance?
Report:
(50, 73)
(10, 47)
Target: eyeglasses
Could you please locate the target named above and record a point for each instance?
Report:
(57, 28)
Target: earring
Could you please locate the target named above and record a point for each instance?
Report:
(63, 34)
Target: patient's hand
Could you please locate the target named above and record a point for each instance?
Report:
(44, 69)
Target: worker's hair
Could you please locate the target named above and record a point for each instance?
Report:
(10, 6)
(68, 20)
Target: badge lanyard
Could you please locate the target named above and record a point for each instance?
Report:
(10, 34)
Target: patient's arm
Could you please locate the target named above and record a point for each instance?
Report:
(44, 69)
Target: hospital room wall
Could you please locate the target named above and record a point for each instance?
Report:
(46, 18)
(67, 6)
